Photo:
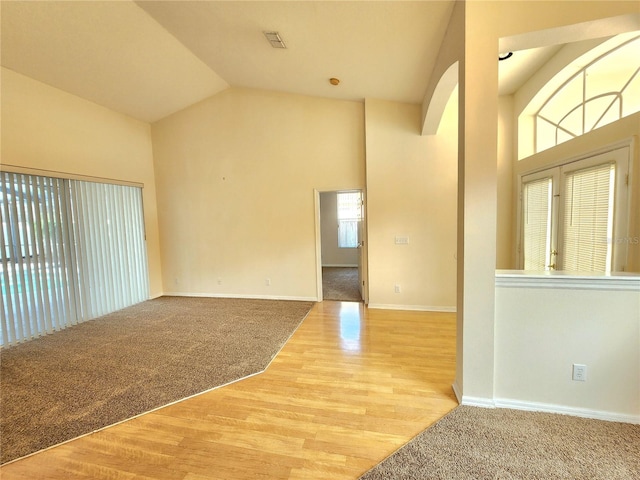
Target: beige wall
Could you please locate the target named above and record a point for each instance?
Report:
(332, 255)
(46, 128)
(411, 191)
(505, 250)
(236, 175)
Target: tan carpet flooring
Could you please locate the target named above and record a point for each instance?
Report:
(474, 443)
(106, 370)
(340, 283)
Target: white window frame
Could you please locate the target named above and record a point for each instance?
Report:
(622, 197)
(619, 95)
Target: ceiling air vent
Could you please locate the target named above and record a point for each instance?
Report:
(275, 40)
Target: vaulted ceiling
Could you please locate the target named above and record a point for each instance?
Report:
(149, 59)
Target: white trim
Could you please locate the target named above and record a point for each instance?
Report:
(40, 172)
(626, 142)
(478, 402)
(318, 245)
(564, 410)
(456, 391)
(340, 265)
(417, 308)
(240, 295)
(561, 280)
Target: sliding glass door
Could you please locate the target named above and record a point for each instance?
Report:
(71, 251)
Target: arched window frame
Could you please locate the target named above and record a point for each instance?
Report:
(618, 96)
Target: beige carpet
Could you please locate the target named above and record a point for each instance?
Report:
(502, 444)
(340, 283)
(106, 370)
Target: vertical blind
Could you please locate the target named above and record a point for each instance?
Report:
(537, 196)
(71, 251)
(588, 219)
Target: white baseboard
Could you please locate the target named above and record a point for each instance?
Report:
(417, 308)
(233, 295)
(564, 410)
(544, 407)
(477, 402)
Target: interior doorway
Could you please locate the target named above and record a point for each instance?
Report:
(340, 249)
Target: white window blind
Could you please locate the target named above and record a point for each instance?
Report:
(349, 217)
(71, 251)
(537, 198)
(588, 219)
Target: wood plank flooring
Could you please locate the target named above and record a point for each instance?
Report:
(349, 388)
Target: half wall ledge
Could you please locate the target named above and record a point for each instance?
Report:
(625, 281)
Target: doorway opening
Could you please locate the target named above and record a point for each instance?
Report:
(340, 250)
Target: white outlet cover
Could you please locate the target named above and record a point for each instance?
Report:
(579, 372)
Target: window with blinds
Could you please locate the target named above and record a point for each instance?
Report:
(71, 251)
(349, 217)
(588, 219)
(537, 197)
(574, 217)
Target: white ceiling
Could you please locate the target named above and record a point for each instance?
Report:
(149, 59)
(111, 53)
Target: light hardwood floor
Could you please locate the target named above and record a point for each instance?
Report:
(350, 387)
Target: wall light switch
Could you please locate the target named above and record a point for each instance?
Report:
(399, 240)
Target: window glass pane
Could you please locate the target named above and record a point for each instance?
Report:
(572, 123)
(613, 71)
(562, 136)
(349, 216)
(601, 111)
(631, 97)
(349, 206)
(545, 134)
(588, 219)
(564, 100)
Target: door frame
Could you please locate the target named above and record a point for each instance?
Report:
(364, 263)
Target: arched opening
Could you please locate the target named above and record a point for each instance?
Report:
(441, 95)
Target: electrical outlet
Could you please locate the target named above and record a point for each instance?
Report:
(579, 372)
(401, 240)
(267, 282)
(219, 281)
(397, 289)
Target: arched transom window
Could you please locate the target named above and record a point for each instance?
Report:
(603, 91)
